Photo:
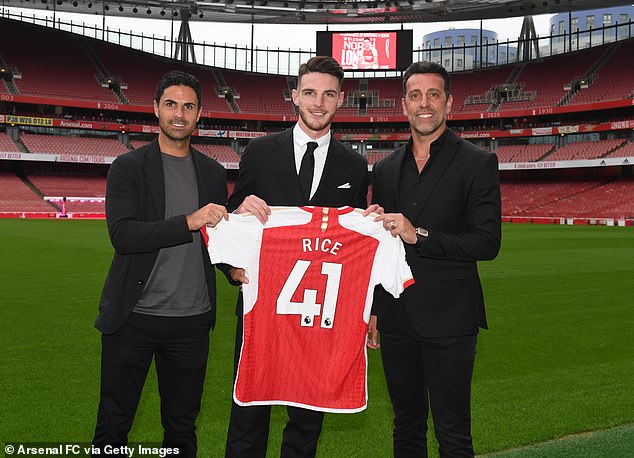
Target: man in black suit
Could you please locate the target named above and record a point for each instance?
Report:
(441, 195)
(159, 298)
(304, 165)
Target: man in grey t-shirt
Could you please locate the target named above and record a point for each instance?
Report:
(159, 298)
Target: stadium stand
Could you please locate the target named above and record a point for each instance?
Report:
(63, 144)
(599, 200)
(561, 71)
(141, 85)
(84, 188)
(523, 153)
(530, 196)
(260, 93)
(469, 88)
(68, 185)
(52, 63)
(7, 145)
(18, 197)
(388, 90)
(610, 68)
(221, 153)
(613, 80)
(134, 144)
(627, 150)
(584, 150)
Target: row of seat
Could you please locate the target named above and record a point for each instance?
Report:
(583, 198)
(108, 147)
(592, 198)
(57, 64)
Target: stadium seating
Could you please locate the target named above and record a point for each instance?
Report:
(560, 71)
(124, 63)
(260, 93)
(523, 153)
(7, 145)
(58, 144)
(613, 80)
(390, 89)
(584, 150)
(590, 198)
(134, 144)
(464, 85)
(52, 63)
(221, 153)
(627, 150)
(84, 187)
(57, 64)
(18, 197)
(69, 185)
(528, 196)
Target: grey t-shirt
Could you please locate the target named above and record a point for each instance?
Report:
(177, 286)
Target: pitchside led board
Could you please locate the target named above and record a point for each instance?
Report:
(367, 51)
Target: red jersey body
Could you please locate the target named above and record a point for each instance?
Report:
(312, 273)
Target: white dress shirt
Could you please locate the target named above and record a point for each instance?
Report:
(300, 139)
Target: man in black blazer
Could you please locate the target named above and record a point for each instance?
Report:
(441, 195)
(159, 298)
(271, 171)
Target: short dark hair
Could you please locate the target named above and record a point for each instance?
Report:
(178, 78)
(321, 64)
(427, 67)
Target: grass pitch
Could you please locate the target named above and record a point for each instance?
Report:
(558, 359)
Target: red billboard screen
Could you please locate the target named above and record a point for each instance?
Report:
(365, 51)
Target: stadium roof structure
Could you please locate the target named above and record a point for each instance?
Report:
(315, 11)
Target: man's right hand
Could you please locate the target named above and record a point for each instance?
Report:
(238, 275)
(255, 205)
(208, 215)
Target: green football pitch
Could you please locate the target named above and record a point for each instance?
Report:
(554, 374)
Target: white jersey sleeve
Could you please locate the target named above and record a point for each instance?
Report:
(236, 241)
(392, 270)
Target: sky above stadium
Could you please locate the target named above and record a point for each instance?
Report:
(301, 36)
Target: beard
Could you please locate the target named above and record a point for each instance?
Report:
(176, 134)
(426, 128)
(315, 125)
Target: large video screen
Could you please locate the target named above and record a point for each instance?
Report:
(368, 51)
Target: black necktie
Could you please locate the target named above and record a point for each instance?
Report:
(307, 169)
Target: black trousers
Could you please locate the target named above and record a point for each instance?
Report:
(249, 426)
(424, 373)
(180, 346)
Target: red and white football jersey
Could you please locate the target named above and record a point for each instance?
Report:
(312, 273)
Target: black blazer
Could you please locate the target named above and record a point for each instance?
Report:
(267, 170)
(460, 205)
(135, 212)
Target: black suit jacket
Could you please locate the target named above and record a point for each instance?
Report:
(135, 213)
(460, 205)
(267, 170)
